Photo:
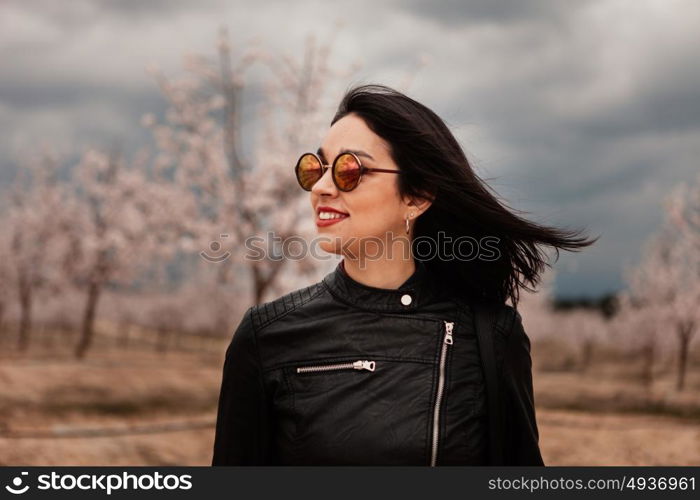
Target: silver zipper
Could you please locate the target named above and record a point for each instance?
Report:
(447, 340)
(357, 365)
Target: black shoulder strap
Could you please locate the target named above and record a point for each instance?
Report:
(485, 320)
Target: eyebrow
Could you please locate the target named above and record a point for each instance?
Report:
(358, 152)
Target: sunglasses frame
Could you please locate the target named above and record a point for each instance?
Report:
(363, 169)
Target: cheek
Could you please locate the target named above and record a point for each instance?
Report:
(374, 215)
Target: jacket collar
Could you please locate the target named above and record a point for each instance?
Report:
(418, 290)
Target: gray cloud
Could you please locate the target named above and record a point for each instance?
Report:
(583, 113)
(461, 12)
(77, 13)
(40, 95)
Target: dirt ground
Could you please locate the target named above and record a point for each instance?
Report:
(580, 438)
(44, 399)
(566, 438)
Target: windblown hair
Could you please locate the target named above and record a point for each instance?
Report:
(433, 165)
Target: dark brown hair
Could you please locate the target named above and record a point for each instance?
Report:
(432, 163)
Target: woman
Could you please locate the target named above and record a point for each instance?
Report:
(379, 363)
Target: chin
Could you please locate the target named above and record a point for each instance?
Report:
(331, 247)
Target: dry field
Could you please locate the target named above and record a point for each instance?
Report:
(137, 407)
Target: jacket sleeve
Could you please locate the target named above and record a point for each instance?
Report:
(242, 435)
(522, 435)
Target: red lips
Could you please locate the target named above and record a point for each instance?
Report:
(327, 222)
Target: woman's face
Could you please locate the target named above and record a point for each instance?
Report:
(374, 208)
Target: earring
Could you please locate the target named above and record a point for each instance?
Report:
(407, 225)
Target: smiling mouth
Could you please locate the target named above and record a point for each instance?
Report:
(326, 218)
(331, 216)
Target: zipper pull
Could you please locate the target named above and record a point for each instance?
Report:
(448, 332)
(363, 365)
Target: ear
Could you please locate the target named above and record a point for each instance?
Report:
(420, 204)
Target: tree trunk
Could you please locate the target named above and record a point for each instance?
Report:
(685, 333)
(2, 315)
(87, 331)
(222, 273)
(25, 301)
(261, 281)
(47, 334)
(125, 329)
(648, 351)
(586, 355)
(258, 284)
(162, 340)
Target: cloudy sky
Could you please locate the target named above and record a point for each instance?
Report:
(582, 113)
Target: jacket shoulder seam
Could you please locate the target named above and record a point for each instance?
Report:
(268, 312)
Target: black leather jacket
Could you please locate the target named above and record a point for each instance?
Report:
(340, 373)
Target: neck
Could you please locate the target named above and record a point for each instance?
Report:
(387, 274)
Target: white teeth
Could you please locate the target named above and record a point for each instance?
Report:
(330, 215)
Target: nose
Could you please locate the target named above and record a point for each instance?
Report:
(325, 184)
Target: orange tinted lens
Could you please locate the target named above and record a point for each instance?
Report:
(308, 171)
(347, 172)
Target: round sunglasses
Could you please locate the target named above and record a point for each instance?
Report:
(346, 171)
